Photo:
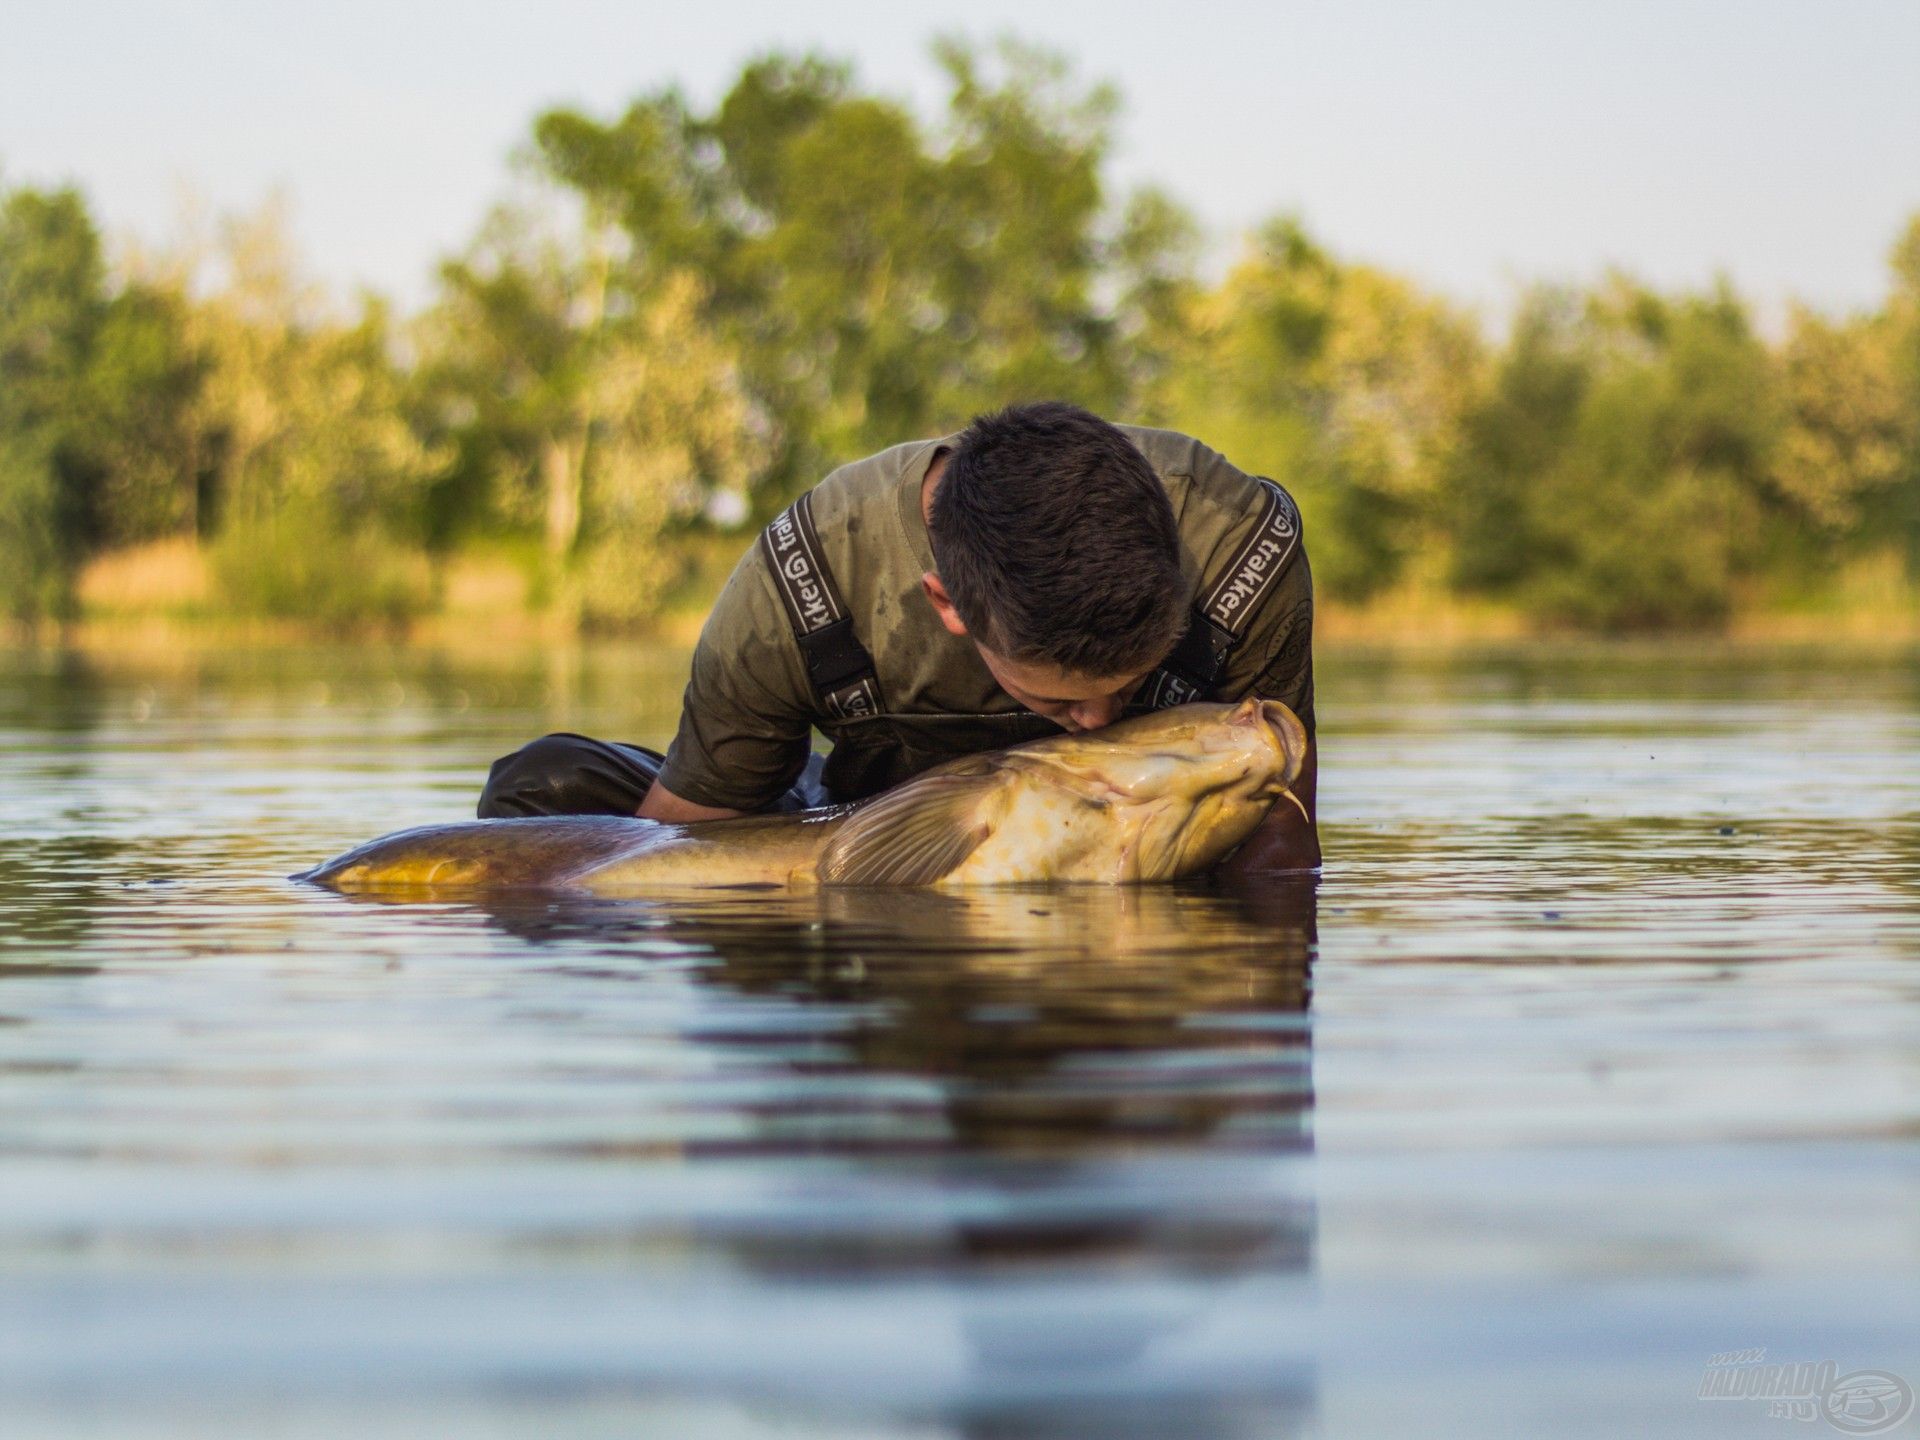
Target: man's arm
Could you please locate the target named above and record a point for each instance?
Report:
(662, 804)
(1286, 841)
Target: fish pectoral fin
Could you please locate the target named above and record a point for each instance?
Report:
(917, 834)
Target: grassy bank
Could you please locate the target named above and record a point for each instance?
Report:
(168, 594)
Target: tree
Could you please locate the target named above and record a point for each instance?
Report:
(1610, 475)
(674, 427)
(602, 412)
(1024, 205)
(1152, 257)
(1342, 379)
(141, 401)
(876, 283)
(316, 468)
(1849, 423)
(51, 304)
(1898, 514)
(1515, 431)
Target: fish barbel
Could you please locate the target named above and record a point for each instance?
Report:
(1157, 797)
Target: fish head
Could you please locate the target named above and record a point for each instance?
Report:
(1178, 789)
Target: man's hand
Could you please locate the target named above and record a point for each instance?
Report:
(662, 804)
(1286, 840)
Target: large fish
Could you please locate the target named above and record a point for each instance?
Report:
(1154, 798)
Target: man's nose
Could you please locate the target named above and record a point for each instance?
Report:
(1093, 714)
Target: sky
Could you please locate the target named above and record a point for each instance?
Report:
(1472, 146)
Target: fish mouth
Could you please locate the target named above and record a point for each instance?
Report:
(1281, 729)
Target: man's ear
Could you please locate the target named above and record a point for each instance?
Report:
(942, 603)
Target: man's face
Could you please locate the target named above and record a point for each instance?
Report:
(1074, 702)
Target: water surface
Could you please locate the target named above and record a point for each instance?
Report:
(1594, 1053)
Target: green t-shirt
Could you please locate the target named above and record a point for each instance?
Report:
(749, 712)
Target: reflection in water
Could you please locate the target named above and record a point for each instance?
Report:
(1071, 1035)
(1026, 1005)
(51, 888)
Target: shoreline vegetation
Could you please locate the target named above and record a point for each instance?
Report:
(165, 597)
(686, 317)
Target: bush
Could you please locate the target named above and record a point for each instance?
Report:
(619, 584)
(321, 575)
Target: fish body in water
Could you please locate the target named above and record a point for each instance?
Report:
(1154, 798)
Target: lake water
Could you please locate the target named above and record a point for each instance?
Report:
(1594, 1055)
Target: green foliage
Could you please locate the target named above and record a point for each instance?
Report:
(1516, 430)
(143, 386)
(695, 312)
(1342, 380)
(51, 302)
(1613, 473)
(873, 280)
(36, 571)
(303, 410)
(303, 566)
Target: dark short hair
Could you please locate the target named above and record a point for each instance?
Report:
(1057, 543)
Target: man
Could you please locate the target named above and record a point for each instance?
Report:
(1042, 571)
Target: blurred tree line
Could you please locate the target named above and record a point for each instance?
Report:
(698, 314)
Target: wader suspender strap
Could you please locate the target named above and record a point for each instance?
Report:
(1226, 601)
(838, 665)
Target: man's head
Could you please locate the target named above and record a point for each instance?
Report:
(1059, 555)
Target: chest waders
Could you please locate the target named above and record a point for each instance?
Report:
(874, 750)
(1226, 602)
